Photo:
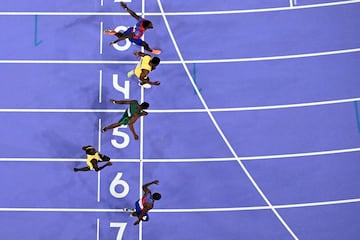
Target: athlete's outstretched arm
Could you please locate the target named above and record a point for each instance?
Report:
(121, 101)
(131, 12)
(131, 125)
(145, 187)
(145, 79)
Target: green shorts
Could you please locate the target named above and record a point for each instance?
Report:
(124, 120)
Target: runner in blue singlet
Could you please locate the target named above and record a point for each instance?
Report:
(143, 205)
(135, 33)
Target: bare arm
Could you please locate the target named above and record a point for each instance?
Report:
(145, 187)
(145, 79)
(131, 12)
(121, 101)
(132, 121)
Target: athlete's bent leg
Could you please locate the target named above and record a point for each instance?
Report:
(84, 169)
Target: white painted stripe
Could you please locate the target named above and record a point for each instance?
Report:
(100, 85)
(204, 61)
(141, 145)
(186, 210)
(98, 173)
(98, 229)
(99, 135)
(216, 125)
(287, 8)
(191, 160)
(98, 185)
(254, 208)
(101, 37)
(141, 157)
(295, 105)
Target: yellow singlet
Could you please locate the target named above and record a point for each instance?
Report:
(143, 64)
(91, 157)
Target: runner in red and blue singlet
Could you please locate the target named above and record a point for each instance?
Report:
(146, 203)
(135, 33)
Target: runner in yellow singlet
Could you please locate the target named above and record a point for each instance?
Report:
(143, 69)
(93, 157)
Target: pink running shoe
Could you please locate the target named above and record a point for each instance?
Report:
(156, 51)
(110, 32)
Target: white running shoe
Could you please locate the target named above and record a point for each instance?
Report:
(131, 210)
(145, 85)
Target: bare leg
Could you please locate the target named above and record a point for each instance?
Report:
(103, 166)
(84, 169)
(134, 214)
(153, 51)
(111, 126)
(147, 47)
(121, 37)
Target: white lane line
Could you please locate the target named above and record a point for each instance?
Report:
(97, 229)
(101, 37)
(191, 160)
(100, 85)
(256, 108)
(141, 164)
(204, 61)
(98, 186)
(186, 210)
(285, 206)
(287, 8)
(216, 125)
(98, 173)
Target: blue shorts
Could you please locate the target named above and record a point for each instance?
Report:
(138, 41)
(138, 211)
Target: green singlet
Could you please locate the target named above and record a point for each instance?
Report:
(131, 111)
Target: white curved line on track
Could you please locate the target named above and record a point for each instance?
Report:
(190, 160)
(255, 108)
(187, 210)
(200, 61)
(218, 128)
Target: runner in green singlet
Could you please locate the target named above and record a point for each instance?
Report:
(130, 115)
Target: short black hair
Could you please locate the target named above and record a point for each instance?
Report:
(155, 61)
(145, 105)
(156, 196)
(146, 23)
(90, 151)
